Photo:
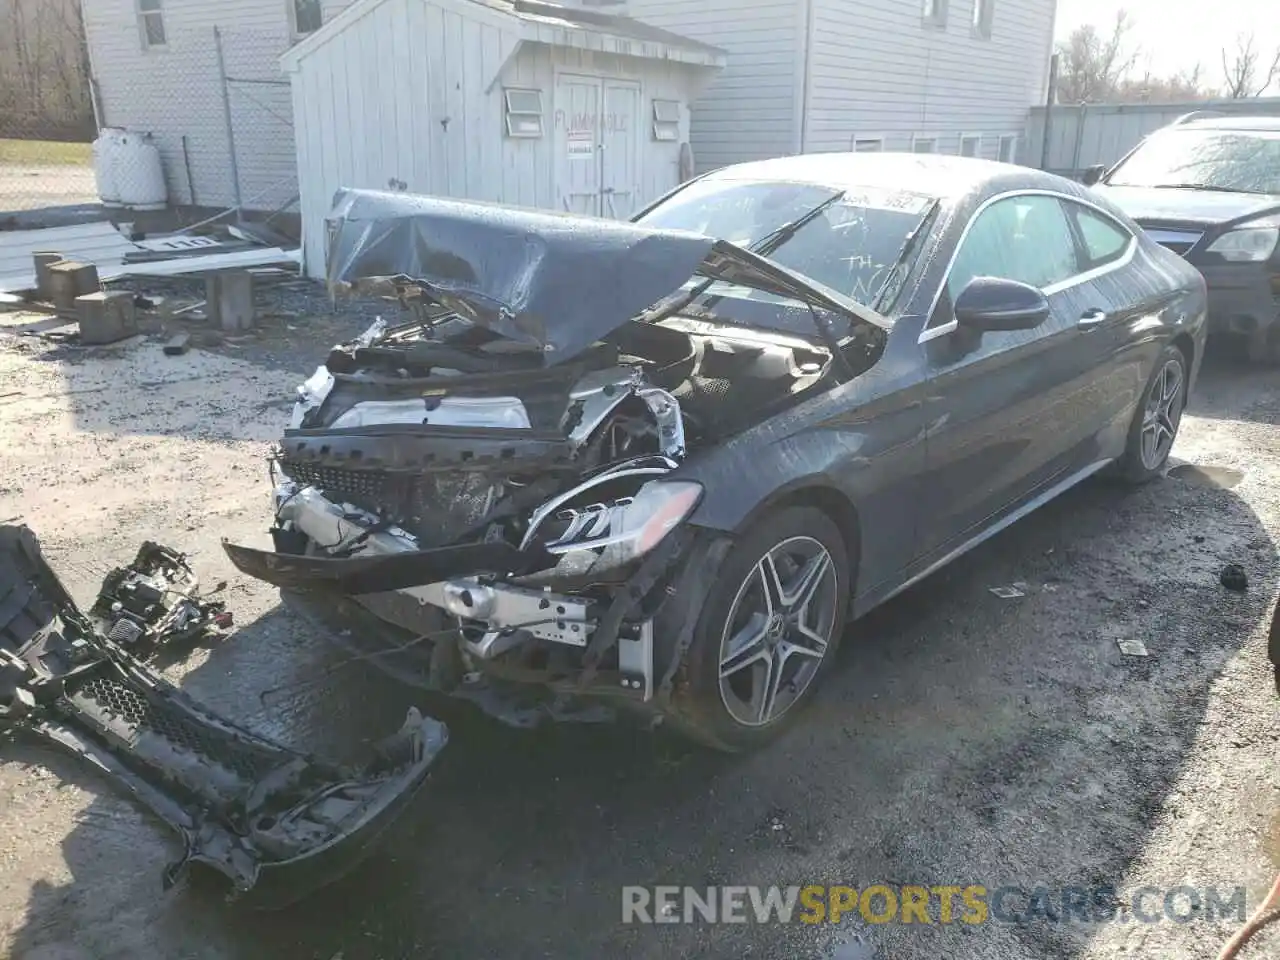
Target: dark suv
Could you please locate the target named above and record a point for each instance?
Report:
(1209, 189)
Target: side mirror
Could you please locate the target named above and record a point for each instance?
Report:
(1092, 174)
(993, 303)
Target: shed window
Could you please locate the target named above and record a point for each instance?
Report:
(924, 145)
(666, 119)
(151, 23)
(1009, 148)
(970, 144)
(983, 11)
(934, 13)
(306, 16)
(868, 144)
(524, 112)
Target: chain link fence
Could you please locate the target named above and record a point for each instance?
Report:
(46, 111)
(212, 101)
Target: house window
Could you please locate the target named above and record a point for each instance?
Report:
(666, 119)
(1008, 148)
(151, 23)
(524, 112)
(868, 144)
(924, 144)
(305, 16)
(983, 10)
(970, 144)
(934, 13)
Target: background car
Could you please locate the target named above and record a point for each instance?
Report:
(574, 479)
(1209, 189)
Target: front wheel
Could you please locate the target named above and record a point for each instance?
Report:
(1155, 424)
(768, 632)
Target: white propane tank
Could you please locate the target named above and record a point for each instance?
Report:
(104, 165)
(139, 174)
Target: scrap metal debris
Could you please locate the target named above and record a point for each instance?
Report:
(1234, 578)
(155, 600)
(275, 823)
(1132, 647)
(1011, 592)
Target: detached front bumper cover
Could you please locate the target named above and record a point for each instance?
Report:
(277, 824)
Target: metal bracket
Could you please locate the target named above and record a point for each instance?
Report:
(635, 659)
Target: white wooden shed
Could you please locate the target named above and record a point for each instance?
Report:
(511, 101)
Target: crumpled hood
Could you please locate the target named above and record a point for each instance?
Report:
(557, 281)
(1207, 207)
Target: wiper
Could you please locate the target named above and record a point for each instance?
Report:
(893, 281)
(1210, 188)
(764, 246)
(772, 240)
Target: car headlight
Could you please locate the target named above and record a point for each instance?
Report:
(1247, 244)
(628, 529)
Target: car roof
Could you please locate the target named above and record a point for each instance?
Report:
(935, 175)
(1267, 124)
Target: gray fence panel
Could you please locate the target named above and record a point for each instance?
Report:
(1081, 136)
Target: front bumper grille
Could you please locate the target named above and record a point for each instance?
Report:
(437, 508)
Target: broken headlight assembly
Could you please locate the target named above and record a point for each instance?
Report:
(617, 532)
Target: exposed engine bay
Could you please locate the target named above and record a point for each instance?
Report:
(533, 488)
(274, 823)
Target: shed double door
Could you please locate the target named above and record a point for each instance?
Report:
(597, 131)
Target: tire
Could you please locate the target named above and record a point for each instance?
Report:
(1159, 415)
(1263, 346)
(802, 642)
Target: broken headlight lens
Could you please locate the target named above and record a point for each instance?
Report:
(636, 526)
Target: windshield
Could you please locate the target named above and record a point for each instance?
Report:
(1245, 161)
(851, 246)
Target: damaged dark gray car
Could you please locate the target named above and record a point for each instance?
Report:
(659, 465)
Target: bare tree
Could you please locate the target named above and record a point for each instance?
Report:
(1181, 87)
(44, 83)
(1243, 72)
(1091, 66)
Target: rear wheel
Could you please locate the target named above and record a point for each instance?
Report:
(1155, 424)
(768, 632)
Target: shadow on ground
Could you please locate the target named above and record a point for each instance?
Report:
(963, 738)
(1230, 388)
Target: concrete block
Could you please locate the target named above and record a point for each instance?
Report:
(106, 316)
(229, 296)
(69, 280)
(43, 262)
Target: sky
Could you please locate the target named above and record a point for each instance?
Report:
(1176, 34)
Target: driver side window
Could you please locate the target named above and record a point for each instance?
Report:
(1023, 238)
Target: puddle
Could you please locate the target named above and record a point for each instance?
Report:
(1224, 478)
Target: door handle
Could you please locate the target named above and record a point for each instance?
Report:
(1092, 318)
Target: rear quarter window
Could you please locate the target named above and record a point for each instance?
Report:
(1105, 240)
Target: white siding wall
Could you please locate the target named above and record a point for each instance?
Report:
(176, 91)
(370, 102)
(877, 70)
(748, 112)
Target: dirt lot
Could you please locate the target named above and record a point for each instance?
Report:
(964, 739)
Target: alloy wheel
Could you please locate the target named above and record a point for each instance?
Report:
(778, 631)
(1162, 414)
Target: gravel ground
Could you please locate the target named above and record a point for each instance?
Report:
(962, 739)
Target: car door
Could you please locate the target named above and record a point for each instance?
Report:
(1117, 313)
(1003, 406)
